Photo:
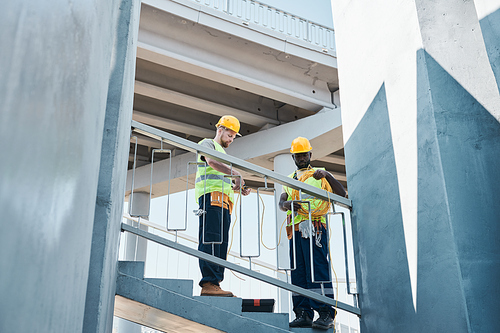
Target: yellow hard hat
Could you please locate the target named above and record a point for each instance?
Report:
(229, 122)
(300, 145)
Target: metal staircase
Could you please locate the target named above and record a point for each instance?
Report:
(168, 305)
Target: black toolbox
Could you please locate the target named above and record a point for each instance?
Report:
(257, 305)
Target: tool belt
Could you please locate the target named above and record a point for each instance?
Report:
(316, 223)
(220, 199)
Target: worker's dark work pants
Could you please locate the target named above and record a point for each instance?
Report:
(213, 219)
(301, 276)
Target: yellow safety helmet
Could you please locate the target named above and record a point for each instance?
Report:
(300, 145)
(229, 122)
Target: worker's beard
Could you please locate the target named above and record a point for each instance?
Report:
(224, 144)
(302, 164)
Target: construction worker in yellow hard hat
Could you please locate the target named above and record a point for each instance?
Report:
(214, 193)
(305, 231)
(229, 122)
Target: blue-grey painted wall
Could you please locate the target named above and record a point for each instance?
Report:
(421, 117)
(55, 69)
(459, 215)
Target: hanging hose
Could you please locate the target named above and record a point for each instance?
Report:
(262, 228)
(335, 273)
(232, 233)
(322, 210)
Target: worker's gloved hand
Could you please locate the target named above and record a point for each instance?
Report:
(306, 229)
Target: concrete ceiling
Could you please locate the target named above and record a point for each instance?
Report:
(189, 74)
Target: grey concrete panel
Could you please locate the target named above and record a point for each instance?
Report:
(275, 319)
(466, 143)
(378, 235)
(490, 27)
(54, 73)
(112, 172)
(183, 287)
(439, 294)
(132, 268)
(458, 213)
(232, 304)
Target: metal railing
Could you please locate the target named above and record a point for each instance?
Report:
(272, 18)
(165, 137)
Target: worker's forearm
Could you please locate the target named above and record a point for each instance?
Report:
(221, 167)
(336, 185)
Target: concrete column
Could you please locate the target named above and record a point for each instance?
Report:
(421, 111)
(57, 63)
(101, 284)
(284, 165)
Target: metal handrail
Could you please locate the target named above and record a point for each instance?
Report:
(230, 253)
(241, 164)
(165, 137)
(245, 271)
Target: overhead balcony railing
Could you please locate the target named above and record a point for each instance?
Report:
(272, 18)
(164, 137)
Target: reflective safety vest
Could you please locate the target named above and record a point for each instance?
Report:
(314, 202)
(213, 178)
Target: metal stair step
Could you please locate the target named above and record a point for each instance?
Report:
(311, 330)
(150, 305)
(275, 319)
(232, 304)
(132, 268)
(180, 286)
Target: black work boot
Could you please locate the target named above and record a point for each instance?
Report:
(325, 320)
(302, 319)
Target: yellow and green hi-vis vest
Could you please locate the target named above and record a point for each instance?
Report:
(314, 202)
(213, 178)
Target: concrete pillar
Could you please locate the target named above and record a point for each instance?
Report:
(284, 165)
(56, 65)
(420, 111)
(101, 284)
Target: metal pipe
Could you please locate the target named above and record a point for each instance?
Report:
(240, 164)
(237, 268)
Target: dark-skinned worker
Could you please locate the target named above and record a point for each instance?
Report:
(301, 227)
(215, 205)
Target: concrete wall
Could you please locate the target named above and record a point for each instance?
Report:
(56, 64)
(419, 87)
(101, 285)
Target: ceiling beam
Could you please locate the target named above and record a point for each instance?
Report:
(177, 98)
(172, 125)
(323, 129)
(270, 85)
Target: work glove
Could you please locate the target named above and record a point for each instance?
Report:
(306, 229)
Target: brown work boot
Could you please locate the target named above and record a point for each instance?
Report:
(210, 289)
